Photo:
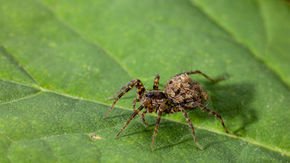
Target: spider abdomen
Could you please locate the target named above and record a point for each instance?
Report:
(182, 89)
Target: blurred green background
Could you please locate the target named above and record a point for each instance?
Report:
(61, 61)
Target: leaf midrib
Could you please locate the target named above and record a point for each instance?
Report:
(44, 90)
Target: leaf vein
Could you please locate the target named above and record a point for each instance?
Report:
(14, 61)
(22, 98)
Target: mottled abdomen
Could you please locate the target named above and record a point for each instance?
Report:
(182, 89)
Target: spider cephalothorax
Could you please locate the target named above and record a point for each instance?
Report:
(181, 93)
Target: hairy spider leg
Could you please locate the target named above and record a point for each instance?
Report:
(159, 113)
(143, 118)
(217, 115)
(203, 74)
(134, 103)
(143, 113)
(140, 90)
(130, 119)
(190, 126)
(156, 82)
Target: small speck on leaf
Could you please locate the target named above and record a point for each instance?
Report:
(95, 137)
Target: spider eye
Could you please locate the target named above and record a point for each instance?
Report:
(149, 95)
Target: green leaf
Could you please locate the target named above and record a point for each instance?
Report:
(61, 61)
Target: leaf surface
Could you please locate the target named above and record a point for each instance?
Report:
(62, 60)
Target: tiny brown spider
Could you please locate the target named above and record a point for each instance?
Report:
(181, 93)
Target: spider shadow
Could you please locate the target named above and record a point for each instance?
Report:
(192, 145)
(180, 135)
(233, 103)
(122, 116)
(170, 135)
(163, 137)
(173, 144)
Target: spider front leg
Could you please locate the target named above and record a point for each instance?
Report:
(140, 91)
(133, 115)
(191, 126)
(156, 82)
(203, 74)
(217, 115)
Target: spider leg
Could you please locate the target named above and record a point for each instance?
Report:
(140, 90)
(156, 82)
(203, 74)
(159, 113)
(143, 114)
(143, 118)
(130, 119)
(217, 115)
(134, 103)
(191, 126)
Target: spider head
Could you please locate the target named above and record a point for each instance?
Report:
(154, 94)
(149, 94)
(153, 99)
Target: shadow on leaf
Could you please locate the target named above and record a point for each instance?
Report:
(233, 103)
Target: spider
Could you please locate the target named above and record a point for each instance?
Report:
(181, 93)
